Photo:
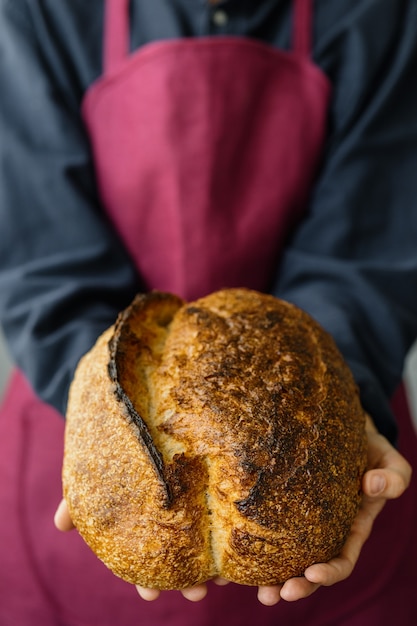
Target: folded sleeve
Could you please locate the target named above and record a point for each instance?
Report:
(64, 274)
(352, 263)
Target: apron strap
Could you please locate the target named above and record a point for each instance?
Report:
(116, 31)
(303, 27)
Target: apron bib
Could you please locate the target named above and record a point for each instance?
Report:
(205, 153)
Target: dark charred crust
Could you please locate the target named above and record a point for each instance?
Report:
(184, 473)
(193, 310)
(122, 336)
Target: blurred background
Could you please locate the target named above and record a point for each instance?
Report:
(410, 373)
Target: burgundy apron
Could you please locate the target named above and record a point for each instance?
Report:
(205, 153)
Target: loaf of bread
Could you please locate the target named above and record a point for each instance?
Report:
(224, 437)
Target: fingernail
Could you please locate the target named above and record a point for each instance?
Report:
(377, 484)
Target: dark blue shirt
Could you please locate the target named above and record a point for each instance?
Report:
(352, 262)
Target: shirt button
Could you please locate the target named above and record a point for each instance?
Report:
(220, 18)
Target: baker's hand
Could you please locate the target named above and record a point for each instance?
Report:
(387, 477)
(64, 523)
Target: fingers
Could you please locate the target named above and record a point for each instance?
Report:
(298, 588)
(389, 473)
(148, 594)
(292, 590)
(334, 571)
(62, 519)
(193, 594)
(327, 574)
(221, 582)
(269, 595)
(388, 484)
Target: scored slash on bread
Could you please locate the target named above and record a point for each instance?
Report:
(222, 437)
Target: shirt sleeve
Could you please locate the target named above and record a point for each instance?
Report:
(64, 274)
(352, 263)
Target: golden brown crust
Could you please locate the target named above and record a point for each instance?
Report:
(222, 437)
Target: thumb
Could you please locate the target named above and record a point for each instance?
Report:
(385, 483)
(62, 519)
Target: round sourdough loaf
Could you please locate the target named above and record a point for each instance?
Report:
(223, 437)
